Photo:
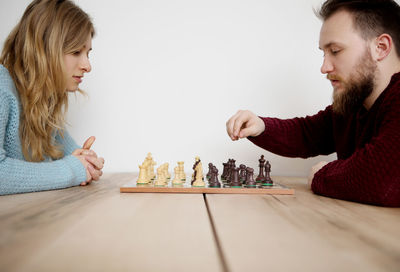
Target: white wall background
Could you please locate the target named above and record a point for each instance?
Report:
(167, 75)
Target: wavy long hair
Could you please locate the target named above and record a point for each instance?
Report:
(33, 53)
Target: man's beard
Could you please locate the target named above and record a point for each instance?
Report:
(359, 86)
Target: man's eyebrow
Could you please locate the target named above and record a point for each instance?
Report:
(330, 44)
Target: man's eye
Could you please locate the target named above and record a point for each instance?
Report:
(335, 51)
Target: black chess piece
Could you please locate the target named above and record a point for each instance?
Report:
(225, 171)
(261, 177)
(268, 180)
(242, 173)
(233, 162)
(250, 182)
(235, 181)
(208, 176)
(214, 182)
(229, 171)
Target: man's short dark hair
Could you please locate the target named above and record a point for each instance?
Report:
(370, 17)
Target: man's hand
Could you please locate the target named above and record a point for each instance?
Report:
(314, 170)
(244, 124)
(90, 161)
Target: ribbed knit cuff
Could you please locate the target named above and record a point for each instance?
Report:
(77, 168)
(260, 139)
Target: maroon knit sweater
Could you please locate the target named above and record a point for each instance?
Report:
(367, 145)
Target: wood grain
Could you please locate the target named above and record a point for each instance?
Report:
(96, 228)
(305, 232)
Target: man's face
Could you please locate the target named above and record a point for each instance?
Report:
(347, 62)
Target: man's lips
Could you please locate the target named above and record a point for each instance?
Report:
(334, 82)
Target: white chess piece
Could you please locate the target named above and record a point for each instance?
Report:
(142, 175)
(177, 179)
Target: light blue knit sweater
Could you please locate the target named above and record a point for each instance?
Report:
(18, 175)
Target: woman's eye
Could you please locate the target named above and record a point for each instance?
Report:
(76, 53)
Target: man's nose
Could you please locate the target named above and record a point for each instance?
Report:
(327, 66)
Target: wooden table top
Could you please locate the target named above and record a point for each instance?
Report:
(97, 228)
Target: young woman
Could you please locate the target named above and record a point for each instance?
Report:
(44, 58)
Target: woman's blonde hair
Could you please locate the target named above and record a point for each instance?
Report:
(33, 54)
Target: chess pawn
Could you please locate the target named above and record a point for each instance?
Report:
(261, 177)
(235, 182)
(214, 182)
(142, 175)
(268, 180)
(160, 180)
(177, 179)
(250, 182)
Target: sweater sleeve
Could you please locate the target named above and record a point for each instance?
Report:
(372, 173)
(298, 137)
(19, 176)
(67, 142)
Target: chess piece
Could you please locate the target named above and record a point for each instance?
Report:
(210, 166)
(242, 173)
(150, 169)
(235, 181)
(250, 182)
(199, 182)
(197, 161)
(261, 177)
(167, 174)
(268, 180)
(142, 175)
(182, 173)
(231, 167)
(161, 179)
(177, 178)
(233, 162)
(225, 170)
(152, 174)
(214, 182)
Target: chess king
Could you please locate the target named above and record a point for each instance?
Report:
(361, 45)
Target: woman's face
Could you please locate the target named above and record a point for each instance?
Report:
(77, 64)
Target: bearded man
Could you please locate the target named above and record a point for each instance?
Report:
(361, 44)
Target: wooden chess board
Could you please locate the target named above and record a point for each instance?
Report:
(274, 189)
